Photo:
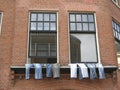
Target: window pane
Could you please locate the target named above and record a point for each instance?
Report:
(46, 26)
(91, 27)
(84, 18)
(72, 17)
(85, 26)
(78, 18)
(52, 26)
(72, 26)
(42, 53)
(46, 17)
(33, 17)
(40, 17)
(33, 26)
(79, 27)
(115, 25)
(117, 28)
(52, 17)
(90, 18)
(43, 47)
(40, 26)
(81, 51)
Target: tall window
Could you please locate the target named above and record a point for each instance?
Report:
(43, 37)
(116, 31)
(82, 37)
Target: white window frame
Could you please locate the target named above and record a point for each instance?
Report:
(97, 40)
(54, 11)
(1, 22)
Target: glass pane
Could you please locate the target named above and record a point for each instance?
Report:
(33, 17)
(40, 26)
(46, 26)
(53, 53)
(84, 18)
(53, 47)
(52, 17)
(79, 27)
(90, 18)
(78, 18)
(46, 17)
(72, 17)
(91, 27)
(40, 17)
(42, 47)
(33, 26)
(52, 26)
(85, 26)
(72, 26)
(42, 53)
(117, 28)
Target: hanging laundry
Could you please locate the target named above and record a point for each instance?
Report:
(83, 71)
(56, 70)
(27, 71)
(93, 74)
(101, 71)
(73, 70)
(38, 71)
(49, 70)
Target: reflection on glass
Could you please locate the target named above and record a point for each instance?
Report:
(84, 18)
(40, 17)
(72, 26)
(52, 17)
(78, 18)
(79, 27)
(91, 27)
(52, 26)
(85, 26)
(46, 26)
(90, 18)
(46, 17)
(33, 17)
(33, 26)
(40, 26)
(72, 17)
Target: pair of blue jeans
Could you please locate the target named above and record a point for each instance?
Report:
(101, 71)
(49, 70)
(27, 73)
(93, 74)
(38, 71)
(56, 70)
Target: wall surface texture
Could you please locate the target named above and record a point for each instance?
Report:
(14, 42)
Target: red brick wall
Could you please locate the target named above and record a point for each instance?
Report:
(14, 38)
(7, 7)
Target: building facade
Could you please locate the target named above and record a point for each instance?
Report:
(59, 31)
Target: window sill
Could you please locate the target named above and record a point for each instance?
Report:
(63, 69)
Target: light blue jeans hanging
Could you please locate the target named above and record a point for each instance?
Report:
(49, 70)
(73, 70)
(38, 71)
(93, 74)
(27, 72)
(83, 71)
(101, 71)
(56, 70)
